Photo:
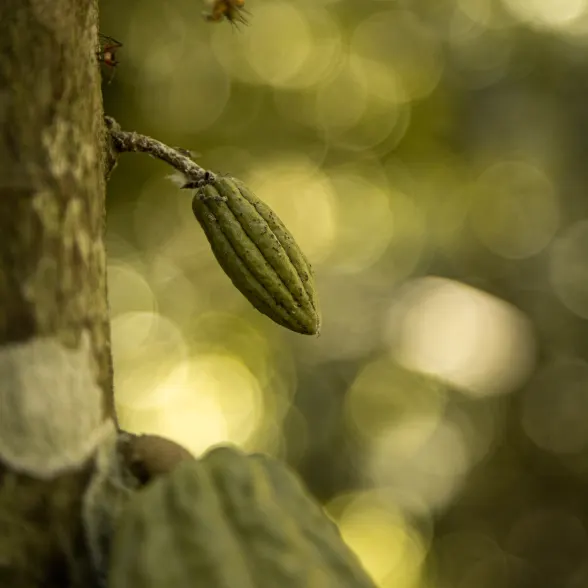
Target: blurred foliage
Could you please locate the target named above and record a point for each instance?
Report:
(429, 157)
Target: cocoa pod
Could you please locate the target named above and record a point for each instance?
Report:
(230, 520)
(258, 253)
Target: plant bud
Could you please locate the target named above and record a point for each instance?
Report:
(258, 253)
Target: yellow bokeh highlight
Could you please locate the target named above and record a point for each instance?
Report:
(303, 198)
(210, 399)
(282, 43)
(553, 14)
(229, 334)
(146, 347)
(325, 51)
(290, 47)
(391, 551)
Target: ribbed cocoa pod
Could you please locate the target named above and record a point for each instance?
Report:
(259, 255)
(230, 520)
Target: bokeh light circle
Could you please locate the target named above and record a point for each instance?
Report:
(303, 198)
(554, 408)
(211, 399)
(461, 335)
(420, 462)
(146, 347)
(516, 209)
(568, 268)
(402, 43)
(390, 549)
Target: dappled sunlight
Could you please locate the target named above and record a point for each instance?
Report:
(428, 158)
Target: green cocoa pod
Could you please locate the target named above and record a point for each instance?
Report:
(230, 520)
(259, 255)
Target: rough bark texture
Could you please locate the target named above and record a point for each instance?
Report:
(52, 259)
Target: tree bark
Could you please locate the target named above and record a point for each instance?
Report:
(52, 258)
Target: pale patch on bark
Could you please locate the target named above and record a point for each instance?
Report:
(46, 207)
(49, 275)
(50, 407)
(58, 140)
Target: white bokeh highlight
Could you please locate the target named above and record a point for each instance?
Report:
(461, 335)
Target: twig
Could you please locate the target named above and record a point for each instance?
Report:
(126, 142)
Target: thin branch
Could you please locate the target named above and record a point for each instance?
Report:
(128, 142)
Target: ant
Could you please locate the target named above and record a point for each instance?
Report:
(107, 53)
(232, 10)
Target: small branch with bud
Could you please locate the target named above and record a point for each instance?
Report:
(190, 175)
(249, 241)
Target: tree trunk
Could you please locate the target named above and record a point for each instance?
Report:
(52, 267)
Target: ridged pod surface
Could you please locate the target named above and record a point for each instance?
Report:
(230, 520)
(258, 253)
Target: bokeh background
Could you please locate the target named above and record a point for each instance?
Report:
(430, 158)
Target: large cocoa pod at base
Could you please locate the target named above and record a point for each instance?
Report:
(230, 521)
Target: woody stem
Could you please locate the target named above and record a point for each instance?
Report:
(127, 142)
